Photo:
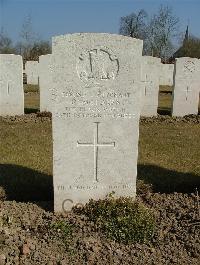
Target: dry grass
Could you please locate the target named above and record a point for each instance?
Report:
(31, 98)
(165, 100)
(165, 88)
(26, 159)
(169, 156)
(31, 88)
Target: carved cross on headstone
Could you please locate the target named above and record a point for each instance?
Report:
(187, 91)
(8, 89)
(95, 144)
(146, 81)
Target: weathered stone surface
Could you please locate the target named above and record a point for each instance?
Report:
(45, 82)
(150, 80)
(11, 85)
(166, 72)
(186, 86)
(32, 72)
(97, 101)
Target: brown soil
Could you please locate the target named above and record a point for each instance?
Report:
(33, 117)
(168, 119)
(26, 235)
(45, 116)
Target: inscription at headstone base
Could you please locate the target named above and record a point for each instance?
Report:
(96, 98)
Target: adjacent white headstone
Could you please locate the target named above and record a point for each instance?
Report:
(186, 86)
(150, 80)
(45, 82)
(166, 72)
(11, 85)
(32, 72)
(97, 102)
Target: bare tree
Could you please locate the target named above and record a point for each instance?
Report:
(31, 46)
(163, 27)
(6, 45)
(134, 25)
(39, 48)
(27, 35)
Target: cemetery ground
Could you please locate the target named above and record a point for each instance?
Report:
(168, 184)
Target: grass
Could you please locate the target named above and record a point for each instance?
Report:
(165, 100)
(31, 88)
(26, 160)
(168, 155)
(31, 98)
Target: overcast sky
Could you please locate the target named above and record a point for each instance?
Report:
(55, 17)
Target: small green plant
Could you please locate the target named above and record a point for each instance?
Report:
(123, 219)
(62, 227)
(63, 230)
(144, 188)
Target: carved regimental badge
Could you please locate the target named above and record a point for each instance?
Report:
(97, 65)
(189, 67)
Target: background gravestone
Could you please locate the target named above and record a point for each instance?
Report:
(166, 72)
(186, 86)
(45, 82)
(97, 101)
(32, 72)
(11, 85)
(150, 81)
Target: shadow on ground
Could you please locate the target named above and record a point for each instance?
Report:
(167, 181)
(25, 184)
(164, 111)
(30, 110)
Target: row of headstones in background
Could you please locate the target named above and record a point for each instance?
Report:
(185, 74)
(11, 85)
(45, 82)
(32, 72)
(185, 81)
(150, 85)
(185, 92)
(166, 72)
(150, 82)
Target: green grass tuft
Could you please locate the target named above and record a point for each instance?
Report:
(123, 220)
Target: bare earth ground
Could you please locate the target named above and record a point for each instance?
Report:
(168, 159)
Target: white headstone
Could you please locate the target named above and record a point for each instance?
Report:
(45, 82)
(97, 102)
(186, 86)
(11, 85)
(32, 72)
(150, 80)
(166, 72)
